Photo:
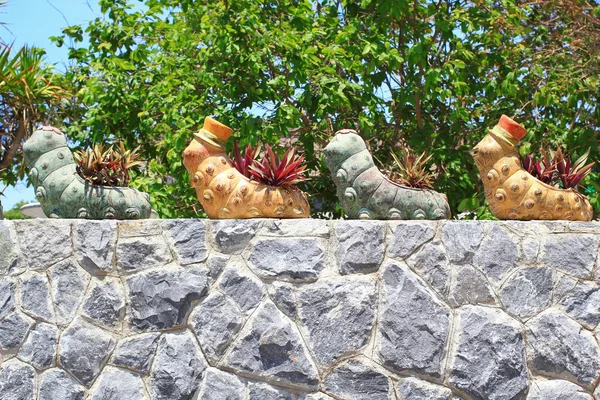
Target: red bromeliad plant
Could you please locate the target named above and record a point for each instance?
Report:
(558, 171)
(242, 162)
(270, 169)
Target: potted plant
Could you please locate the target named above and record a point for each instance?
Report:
(366, 193)
(527, 189)
(247, 187)
(93, 188)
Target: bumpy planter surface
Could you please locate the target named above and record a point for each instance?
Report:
(511, 191)
(224, 192)
(366, 193)
(62, 193)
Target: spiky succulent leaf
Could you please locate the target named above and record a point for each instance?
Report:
(272, 170)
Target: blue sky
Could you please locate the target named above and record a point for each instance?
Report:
(32, 22)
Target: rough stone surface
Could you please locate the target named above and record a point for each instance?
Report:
(68, 282)
(469, 286)
(84, 348)
(583, 304)
(189, 239)
(263, 391)
(288, 259)
(573, 254)
(413, 323)
(556, 390)
(528, 291)
(271, 346)
(232, 236)
(35, 296)
(161, 299)
(245, 289)
(497, 255)
(39, 349)
(139, 253)
(7, 296)
(9, 252)
(178, 367)
(289, 309)
(17, 381)
(461, 240)
(95, 244)
(216, 322)
(405, 238)
(44, 242)
(357, 381)
(361, 246)
(416, 389)
(13, 330)
(559, 347)
(105, 303)
(431, 263)
(488, 356)
(136, 352)
(338, 316)
(284, 296)
(219, 385)
(56, 384)
(118, 384)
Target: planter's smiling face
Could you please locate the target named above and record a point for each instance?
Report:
(345, 144)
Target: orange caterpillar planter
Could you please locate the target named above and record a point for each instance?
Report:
(511, 191)
(224, 192)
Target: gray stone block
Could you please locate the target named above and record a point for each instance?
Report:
(413, 324)
(105, 303)
(497, 255)
(177, 369)
(39, 348)
(35, 296)
(263, 391)
(284, 296)
(357, 381)
(220, 385)
(84, 349)
(416, 389)
(241, 286)
(556, 389)
(68, 282)
(231, 236)
(407, 236)
(136, 352)
(470, 286)
(7, 296)
(189, 239)
(13, 329)
(271, 347)
(44, 242)
(9, 250)
(558, 346)
(462, 239)
(487, 359)
(140, 253)
(161, 299)
(288, 259)
(573, 254)
(95, 244)
(56, 384)
(431, 263)
(215, 322)
(17, 381)
(338, 315)
(583, 304)
(360, 246)
(528, 291)
(118, 384)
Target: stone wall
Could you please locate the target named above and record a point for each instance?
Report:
(305, 309)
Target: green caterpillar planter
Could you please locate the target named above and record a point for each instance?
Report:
(62, 193)
(366, 193)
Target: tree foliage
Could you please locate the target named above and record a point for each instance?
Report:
(426, 74)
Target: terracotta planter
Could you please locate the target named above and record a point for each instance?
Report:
(226, 193)
(366, 193)
(511, 191)
(62, 193)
